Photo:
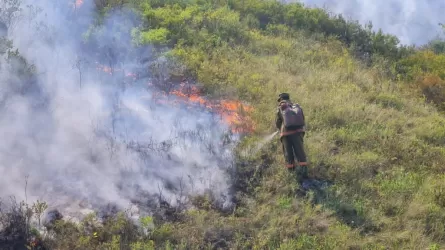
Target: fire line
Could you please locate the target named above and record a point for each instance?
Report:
(233, 112)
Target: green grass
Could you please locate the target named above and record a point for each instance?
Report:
(377, 143)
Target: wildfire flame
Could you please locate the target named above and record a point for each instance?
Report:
(110, 71)
(233, 112)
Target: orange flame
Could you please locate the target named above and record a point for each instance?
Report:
(110, 71)
(233, 112)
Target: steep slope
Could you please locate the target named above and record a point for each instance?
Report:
(381, 148)
(375, 140)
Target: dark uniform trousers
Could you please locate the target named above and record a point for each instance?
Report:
(293, 147)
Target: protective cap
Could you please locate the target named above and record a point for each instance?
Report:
(283, 96)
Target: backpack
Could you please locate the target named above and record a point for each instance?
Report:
(292, 114)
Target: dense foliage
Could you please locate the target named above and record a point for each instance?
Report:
(369, 132)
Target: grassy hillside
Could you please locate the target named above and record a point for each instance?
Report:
(370, 133)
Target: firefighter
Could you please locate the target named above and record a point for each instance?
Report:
(292, 131)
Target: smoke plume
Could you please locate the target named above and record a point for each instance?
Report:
(80, 133)
(412, 21)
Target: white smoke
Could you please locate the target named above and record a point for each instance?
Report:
(82, 135)
(412, 21)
